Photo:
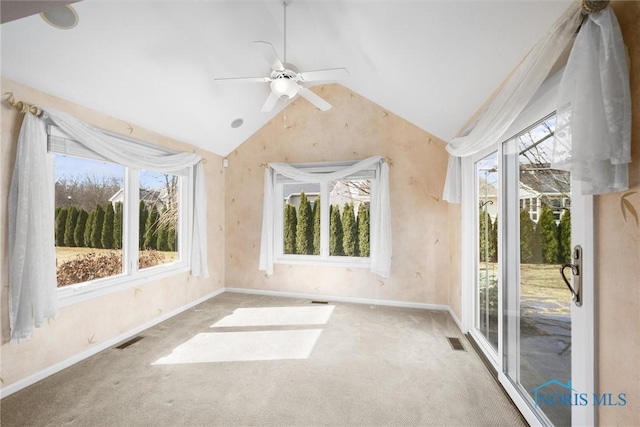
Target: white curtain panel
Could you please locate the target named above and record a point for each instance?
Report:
(268, 222)
(32, 264)
(512, 98)
(380, 209)
(381, 225)
(32, 272)
(593, 125)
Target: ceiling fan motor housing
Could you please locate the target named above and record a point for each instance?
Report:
(285, 85)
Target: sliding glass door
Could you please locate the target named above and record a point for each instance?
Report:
(530, 226)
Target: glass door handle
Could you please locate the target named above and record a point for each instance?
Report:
(576, 271)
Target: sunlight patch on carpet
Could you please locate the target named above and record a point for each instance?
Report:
(244, 347)
(277, 316)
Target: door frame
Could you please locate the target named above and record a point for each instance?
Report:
(584, 334)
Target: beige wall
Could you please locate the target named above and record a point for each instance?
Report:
(619, 267)
(354, 128)
(82, 325)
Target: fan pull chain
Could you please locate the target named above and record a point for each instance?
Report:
(285, 117)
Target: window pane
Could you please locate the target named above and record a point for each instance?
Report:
(159, 219)
(487, 198)
(545, 243)
(88, 219)
(349, 217)
(301, 219)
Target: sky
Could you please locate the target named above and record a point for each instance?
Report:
(73, 167)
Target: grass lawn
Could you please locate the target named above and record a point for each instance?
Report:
(540, 280)
(543, 280)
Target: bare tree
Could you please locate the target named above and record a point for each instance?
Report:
(168, 198)
(536, 153)
(360, 186)
(85, 191)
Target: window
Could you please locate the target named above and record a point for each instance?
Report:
(114, 223)
(349, 210)
(158, 211)
(88, 224)
(327, 221)
(333, 181)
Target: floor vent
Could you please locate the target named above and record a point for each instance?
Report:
(319, 302)
(128, 343)
(456, 344)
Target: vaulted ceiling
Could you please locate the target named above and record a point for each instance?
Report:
(152, 63)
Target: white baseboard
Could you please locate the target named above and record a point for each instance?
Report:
(455, 319)
(32, 379)
(367, 301)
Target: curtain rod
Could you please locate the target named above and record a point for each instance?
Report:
(593, 6)
(21, 106)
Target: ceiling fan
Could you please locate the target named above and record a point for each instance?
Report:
(285, 81)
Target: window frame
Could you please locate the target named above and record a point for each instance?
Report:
(131, 276)
(324, 259)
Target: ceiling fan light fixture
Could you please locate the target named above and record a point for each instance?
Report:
(284, 88)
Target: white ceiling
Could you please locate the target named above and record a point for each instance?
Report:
(152, 63)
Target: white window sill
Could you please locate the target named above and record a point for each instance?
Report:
(332, 261)
(73, 294)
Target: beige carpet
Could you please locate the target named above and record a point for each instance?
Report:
(255, 360)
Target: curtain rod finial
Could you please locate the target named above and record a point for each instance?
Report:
(593, 6)
(21, 106)
(7, 97)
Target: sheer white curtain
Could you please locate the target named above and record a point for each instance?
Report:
(593, 125)
(32, 264)
(380, 210)
(512, 98)
(32, 272)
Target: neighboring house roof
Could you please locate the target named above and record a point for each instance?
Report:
(118, 196)
(545, 181)
(151, 196)
(535, 180)
(340, 194)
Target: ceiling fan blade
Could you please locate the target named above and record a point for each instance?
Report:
(270, 54)
(269, 103)
(243, 79)
(328, 74)
(314, 99)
